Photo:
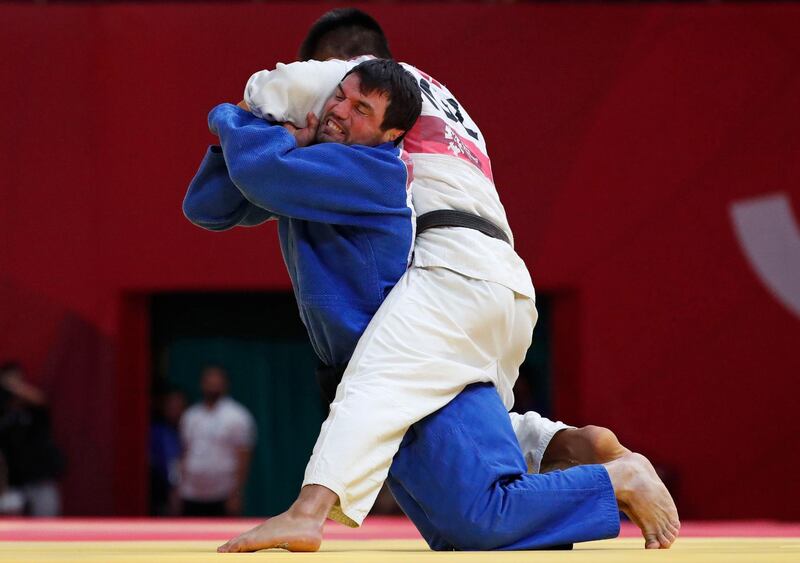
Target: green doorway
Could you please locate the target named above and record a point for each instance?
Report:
(259, 339)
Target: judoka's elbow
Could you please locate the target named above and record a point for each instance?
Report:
(257, 189)
(195, 217)
(190, 211)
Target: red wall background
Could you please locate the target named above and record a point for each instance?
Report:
(620, 136)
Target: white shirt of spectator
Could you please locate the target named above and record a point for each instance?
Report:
(211, 438)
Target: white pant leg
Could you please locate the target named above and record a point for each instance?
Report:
(534, 433)
(437, 332)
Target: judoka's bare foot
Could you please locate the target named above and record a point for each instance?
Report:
(283, 531)
(643, 497)
(297, 529)
(581, 446)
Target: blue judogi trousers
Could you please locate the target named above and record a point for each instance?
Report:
(460, 476)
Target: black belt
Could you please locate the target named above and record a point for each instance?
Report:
(453, 218)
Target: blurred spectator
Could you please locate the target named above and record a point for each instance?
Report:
(11, 501)
(165, 453)
(218, 435)
(32, 460)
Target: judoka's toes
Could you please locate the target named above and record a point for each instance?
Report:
(243, 543)
(643, 497)
(651, 541)
(238, 544)
(227, 547)
(670, 532)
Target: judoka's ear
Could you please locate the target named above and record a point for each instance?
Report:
(391, 135)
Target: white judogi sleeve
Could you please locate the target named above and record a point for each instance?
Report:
(534, 433)
(290, 91)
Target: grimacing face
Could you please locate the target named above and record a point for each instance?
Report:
(352, 118)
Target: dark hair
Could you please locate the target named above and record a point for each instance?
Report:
(11, 366)
(390, 78)
(347, 33)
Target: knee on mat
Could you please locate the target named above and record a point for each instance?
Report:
(472, 534)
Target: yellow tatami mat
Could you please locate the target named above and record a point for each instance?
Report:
(705, 550)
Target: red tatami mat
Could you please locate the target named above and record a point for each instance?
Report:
(143, 529)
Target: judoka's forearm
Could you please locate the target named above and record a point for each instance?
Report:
(213, 202)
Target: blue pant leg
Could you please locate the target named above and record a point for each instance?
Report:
(413, 510)
(415, 513)
(465, 472)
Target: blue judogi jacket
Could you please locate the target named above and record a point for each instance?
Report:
(345, 221)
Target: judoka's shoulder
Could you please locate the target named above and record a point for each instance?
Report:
(386, 155)
(384, 150)
(387, 152)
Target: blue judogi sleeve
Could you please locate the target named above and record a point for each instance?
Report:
(325, 183)
(214, 202)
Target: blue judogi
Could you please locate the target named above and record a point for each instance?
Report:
(346, 230)
(460, 476)
(344, 219)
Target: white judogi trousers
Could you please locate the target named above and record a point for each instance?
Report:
(437, 332)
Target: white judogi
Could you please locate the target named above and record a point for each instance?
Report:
(463, 313)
